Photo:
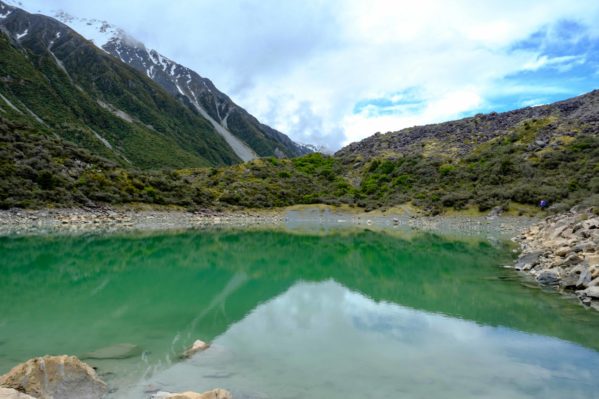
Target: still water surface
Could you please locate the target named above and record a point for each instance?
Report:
(337, 315)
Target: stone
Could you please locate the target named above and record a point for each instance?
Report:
(584, 279)
(569, 281)
(594, 283)
(53, 377)
(563, 251)
(592, 292)
(572, 259)
(197, 346)
(548, 277)
(214, 394)
(528, 261)
(557, 232)
(118, 351)
(587, 246)
(591, 224)
(9, 393)
(592, 260)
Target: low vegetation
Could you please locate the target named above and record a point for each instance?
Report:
(39, 170)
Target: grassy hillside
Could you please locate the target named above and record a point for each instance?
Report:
(38, 169)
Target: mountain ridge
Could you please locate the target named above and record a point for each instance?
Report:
(66, 85)
(248, 137)
(479, 129)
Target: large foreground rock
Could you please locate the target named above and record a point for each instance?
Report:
(55, 377)
(9, 393)
(214, 394)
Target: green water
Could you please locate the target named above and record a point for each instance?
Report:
(338, 315)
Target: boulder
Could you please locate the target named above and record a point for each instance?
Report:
(214, 394)
(563, 251)
(592, 260)
(196, 347)
(528, 261)
(570, 280)
(54, 377)
(548, 277)
(586, 246)
(572, 259)
(592, 292)
(9, 393)
(591, 224)
(584, 279)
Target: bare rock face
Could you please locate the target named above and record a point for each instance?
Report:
(9, 393)
(214, 394)
(55, 377)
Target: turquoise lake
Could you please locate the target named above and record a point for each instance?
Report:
(335, 314)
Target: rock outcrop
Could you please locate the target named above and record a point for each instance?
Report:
(563, 251)
(214, 394)
(55, 377)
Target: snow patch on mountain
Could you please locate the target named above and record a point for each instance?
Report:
(23, 34)
(99, 32)
(4, 11)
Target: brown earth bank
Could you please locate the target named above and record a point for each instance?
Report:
(562, 251)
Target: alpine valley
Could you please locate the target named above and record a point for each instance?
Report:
(100, 119)
(157, 241)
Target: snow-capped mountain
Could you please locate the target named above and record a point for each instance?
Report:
(244, 133)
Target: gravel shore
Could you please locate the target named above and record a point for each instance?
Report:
(48, 221)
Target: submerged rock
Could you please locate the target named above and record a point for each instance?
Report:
(9, 393)
(55, 377)
(196, 347)
(548, 277)
(118, 351)
(214, 394)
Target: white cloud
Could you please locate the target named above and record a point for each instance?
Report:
(303, 66)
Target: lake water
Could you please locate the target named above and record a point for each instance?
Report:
(346, 314)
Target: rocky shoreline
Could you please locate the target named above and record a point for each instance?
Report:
(562, 251)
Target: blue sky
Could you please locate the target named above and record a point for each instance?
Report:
(330, 72)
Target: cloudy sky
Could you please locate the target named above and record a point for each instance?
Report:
(330, 72)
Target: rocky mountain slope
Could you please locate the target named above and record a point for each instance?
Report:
(550, 123)
(62, 84)
(245, 134)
